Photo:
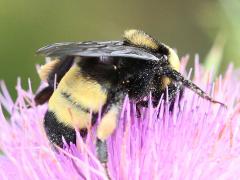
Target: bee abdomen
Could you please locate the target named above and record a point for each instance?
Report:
(55, 130)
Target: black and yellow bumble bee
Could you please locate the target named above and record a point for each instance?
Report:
(98, 75)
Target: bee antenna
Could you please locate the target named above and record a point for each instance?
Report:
(190, 85)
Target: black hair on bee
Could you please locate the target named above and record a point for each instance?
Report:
(94, 75)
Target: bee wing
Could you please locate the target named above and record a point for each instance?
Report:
(96, 49)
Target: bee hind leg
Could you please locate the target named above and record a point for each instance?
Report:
(44, 95)
(106, 127)
(102, 155)
(104, 130)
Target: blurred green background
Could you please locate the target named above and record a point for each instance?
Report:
(189, 26)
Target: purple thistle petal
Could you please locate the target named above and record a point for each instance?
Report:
(198, 140)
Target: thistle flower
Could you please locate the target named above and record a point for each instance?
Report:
(197, 140)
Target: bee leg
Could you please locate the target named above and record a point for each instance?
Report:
(102, 154)
(138, 110)
(102, 150)
(173, 91)
(146, 103)
(106, 127)
(104, 130)
(139, 105)
(44, 95)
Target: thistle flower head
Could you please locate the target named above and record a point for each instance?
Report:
(197, 140)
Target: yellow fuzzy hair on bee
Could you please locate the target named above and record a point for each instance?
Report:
(140, 38)
(47, 68)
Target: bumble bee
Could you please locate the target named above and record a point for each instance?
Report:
(94, 75)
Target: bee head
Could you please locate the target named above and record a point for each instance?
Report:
(140, 39)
